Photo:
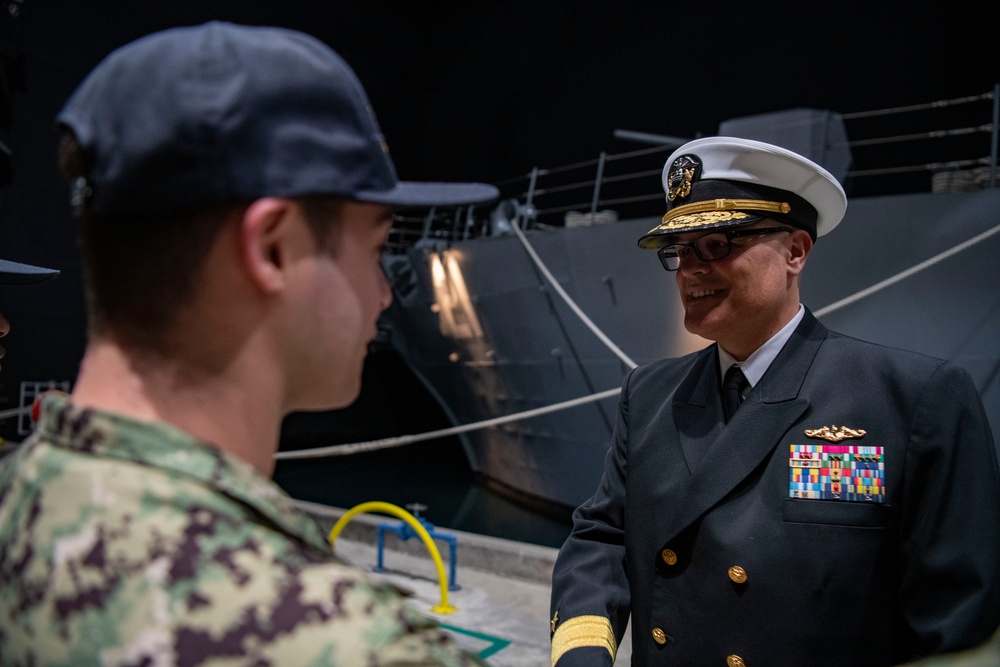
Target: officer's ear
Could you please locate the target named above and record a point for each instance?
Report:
(799, 245)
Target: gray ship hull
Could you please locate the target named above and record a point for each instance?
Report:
(487, 334)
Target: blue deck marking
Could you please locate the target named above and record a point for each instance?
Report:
(496, 643)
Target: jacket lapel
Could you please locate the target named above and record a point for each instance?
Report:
(698, 409)
(740, 447)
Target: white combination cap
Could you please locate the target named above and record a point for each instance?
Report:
(727, 181)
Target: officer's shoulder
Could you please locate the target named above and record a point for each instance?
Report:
(886, 359)
(844, 342)
(670, 366)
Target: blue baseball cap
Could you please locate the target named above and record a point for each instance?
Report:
(15, 273)
(218, 113)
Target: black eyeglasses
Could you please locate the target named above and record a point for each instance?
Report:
(711, 246)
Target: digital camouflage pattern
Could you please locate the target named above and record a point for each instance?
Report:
(130, 543)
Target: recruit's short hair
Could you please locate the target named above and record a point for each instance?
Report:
(140, 269)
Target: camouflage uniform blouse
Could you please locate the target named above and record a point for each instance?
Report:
(130, 543)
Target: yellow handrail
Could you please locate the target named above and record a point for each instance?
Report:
(388, 508)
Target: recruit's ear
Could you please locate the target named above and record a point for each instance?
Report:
(264, 235)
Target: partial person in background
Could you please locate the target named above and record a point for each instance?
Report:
(986, 654)
(234, 193)
(16, 273)
(787, 496)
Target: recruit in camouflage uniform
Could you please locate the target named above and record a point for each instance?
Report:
(138, 525)
(173, 552)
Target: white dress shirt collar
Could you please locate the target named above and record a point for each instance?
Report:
(757, 363)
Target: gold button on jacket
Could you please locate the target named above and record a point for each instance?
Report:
(735, 661)
(659, 636)
(669, 557)
(738, 574)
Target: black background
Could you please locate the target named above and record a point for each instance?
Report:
(476, 91)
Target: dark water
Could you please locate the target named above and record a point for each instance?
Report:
(433, 473)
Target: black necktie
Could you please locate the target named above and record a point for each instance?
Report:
(732, 390)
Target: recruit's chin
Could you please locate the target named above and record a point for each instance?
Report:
(330, 397)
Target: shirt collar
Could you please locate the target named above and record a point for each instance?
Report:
(757, 363)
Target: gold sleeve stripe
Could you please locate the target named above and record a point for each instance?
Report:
(727, 205)
(583, 631)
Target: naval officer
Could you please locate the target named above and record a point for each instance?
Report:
(787, 495)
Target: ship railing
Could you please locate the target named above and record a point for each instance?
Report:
(939, 146)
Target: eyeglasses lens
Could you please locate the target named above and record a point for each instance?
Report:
(707, 247)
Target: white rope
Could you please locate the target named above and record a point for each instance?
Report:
(902, 275)
(569, 302)
(14, 412)
(384, 443)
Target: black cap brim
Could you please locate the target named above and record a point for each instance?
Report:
(15, 273)
(408, 193)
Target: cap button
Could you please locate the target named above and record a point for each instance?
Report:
(659, 636)
(669, 557)
(735, 661)
(738, 574)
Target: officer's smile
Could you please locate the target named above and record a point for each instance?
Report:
(701, 293)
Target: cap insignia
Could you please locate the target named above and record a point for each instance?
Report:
(683, 172)
(835, 433)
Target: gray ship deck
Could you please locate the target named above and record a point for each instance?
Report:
(501, 610)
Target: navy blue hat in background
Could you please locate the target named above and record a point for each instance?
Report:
(15, 273)
(213, 114)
